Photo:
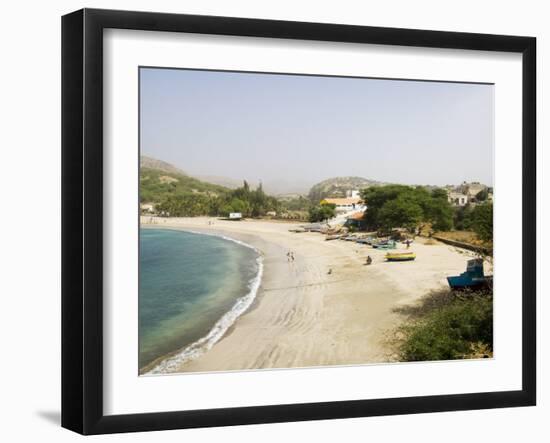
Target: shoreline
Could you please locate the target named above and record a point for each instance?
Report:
(323, 309)
(220, 328)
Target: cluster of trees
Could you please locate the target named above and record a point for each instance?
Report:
(483, 195)
(399, 206)
(249, 202)
(299, 203)
(477, 218)
(185, 205)
(294, 208)
(321, 212)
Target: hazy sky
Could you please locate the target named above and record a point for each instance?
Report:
(306, 129)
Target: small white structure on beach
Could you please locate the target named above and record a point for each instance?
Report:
(235, 215)
(148, 208)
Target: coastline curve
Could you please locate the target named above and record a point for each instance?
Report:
(204, 344)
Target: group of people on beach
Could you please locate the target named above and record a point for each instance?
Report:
(290, 256)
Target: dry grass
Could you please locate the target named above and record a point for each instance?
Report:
(462, 236)
(167, 179)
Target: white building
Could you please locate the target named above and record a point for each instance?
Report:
(472, 189)
(345, 204)
(457, 198)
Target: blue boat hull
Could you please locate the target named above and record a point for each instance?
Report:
(466, 282)
(473, 278)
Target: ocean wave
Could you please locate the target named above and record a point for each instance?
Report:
(205, 343)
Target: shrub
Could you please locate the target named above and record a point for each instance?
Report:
(482, 221)
(451, 330)
(321, 212)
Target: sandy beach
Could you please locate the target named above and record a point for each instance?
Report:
(324, 308)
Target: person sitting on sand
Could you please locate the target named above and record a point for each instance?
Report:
(369, 260)
(329, 271)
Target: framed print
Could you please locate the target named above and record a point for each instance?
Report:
(268, 221)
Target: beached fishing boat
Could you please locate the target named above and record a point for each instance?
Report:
(400, 256)
(370, 240)
(473, 278)
(349, 238)
(315, 227)
(386, 244)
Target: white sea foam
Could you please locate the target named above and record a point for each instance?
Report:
(205, 343)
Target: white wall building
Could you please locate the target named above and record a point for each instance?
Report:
(457, 198)
(345, 204)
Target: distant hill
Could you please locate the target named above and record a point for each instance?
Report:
(227, 182)
(274, 187)
(153, 163)
(159, 179)
(280, 188)
(337, 187)
(287, 187)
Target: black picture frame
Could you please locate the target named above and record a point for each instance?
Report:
(82, 218)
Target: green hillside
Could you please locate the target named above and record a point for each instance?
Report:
(157, 185)
(173, 193)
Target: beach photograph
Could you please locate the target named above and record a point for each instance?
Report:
(296, 221)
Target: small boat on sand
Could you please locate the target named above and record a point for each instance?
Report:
(473, 278)
(385, 244)
(400, 256)
(363, 241)
(349, 238)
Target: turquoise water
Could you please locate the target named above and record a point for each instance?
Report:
(191, 288)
